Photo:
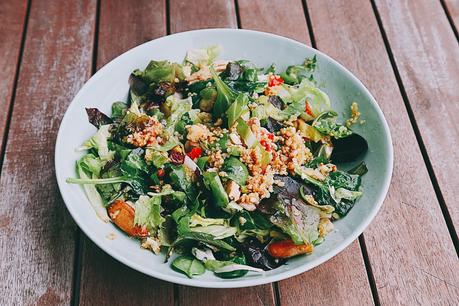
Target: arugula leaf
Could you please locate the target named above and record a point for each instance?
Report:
(218, 266)
(205, 238)
(225, 95)
(237, 108)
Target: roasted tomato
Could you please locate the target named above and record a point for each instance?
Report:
(286, 249)
(122, 214)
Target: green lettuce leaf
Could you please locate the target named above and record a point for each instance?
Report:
(148, 212)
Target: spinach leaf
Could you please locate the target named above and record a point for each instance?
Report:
(214, 184)
(360, 169)
(179, 180)
(134, 164)
(236, 273)
(189, 266)
(349, 148)
(235, 170)
(341, 179)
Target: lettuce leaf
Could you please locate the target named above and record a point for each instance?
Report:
(100, 142)
(200, 57)
(304, 92)
(148, 212)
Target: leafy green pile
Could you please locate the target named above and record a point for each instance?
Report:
(173, 196)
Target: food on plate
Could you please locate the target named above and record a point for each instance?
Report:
(229, 165)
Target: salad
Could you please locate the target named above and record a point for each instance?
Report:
(228, 166)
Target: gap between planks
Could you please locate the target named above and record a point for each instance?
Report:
(14, 87)
(361, 239)
(79, 237)
(417, 133)
(450, 18)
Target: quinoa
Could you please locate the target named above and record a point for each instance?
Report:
(294, 148)
(355, 114)
(147, 135)
(216, 159)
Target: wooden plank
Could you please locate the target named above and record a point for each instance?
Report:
(427, 58)
(36, 232)
(410, 251)
(339, 281)
(12, 15)
(452, 7)
(124, 25)
(259, 295)
(348, 265)
(288, 20)
(103, 279)
(185, 17)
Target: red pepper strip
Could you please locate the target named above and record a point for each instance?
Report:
(266, 145)
(275, 80)
(308, 109)
(196, 152)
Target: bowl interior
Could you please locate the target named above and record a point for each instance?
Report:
(110, 84)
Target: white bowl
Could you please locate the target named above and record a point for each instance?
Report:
(110, 84)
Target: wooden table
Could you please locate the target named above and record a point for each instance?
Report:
(405, 52)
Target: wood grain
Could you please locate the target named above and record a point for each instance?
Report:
(409, 247)
(340, 281)
(124, 26)
(12, 15)
(183, 17)
(265, 16)
(348, 265)
(36, 231)
(427, 58)
(104, 280)
(186, 15)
